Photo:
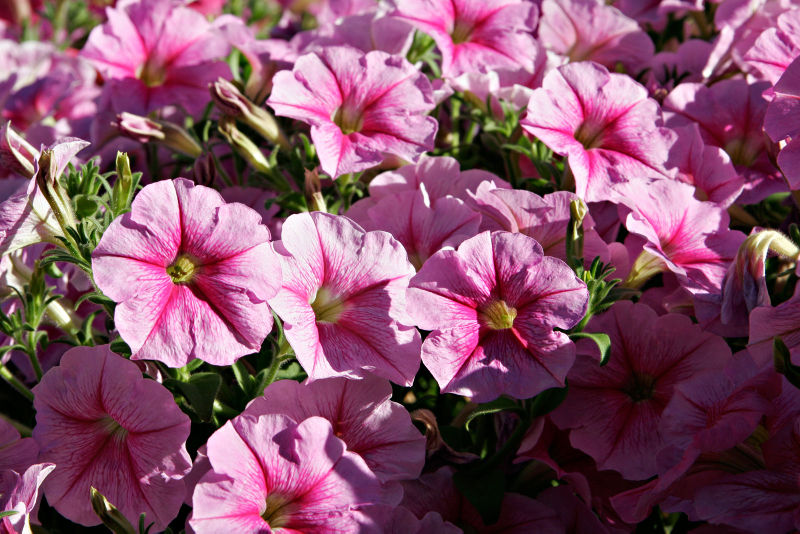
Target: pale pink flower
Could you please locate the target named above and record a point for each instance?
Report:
(473, 35)
(730, 114)
(543, 218)
(361, 107)
(614, 412)
(669, 68)
(191, 275)
(604, 123)
(104, 425)
(19, 492)
(492, 306)
(157, 53)
(776, 47)
(271, 474)
(343, 299)
(361, 414)
(707, 167)
(420, 227)
(590, 30)
(683, 235)
(780, 123)
(366, 32)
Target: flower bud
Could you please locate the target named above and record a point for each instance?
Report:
(232, 102)
(313, 191)
(16, 154)
(109, 515)
(243, 145)
(166, 133)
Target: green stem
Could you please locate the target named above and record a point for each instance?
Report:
(15, 383)
(37, 366)
(224, 410)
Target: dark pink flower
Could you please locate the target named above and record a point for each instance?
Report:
(780, 123)
(104, 425)
(361, 414)
(271, 474)
(614, 412)
(604, 123)
(473, 35)
(157, 53)
(492, 306)
(190, 273)
(783, 321)
(19, 492)
(361, 107)
(776, 47)
(343, 299)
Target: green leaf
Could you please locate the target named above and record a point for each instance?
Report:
(200, 391)
(8, 513)
(484, 490)
(602, 340)
(120, 347)
(547, 401)
(85, 206)
(497, 405)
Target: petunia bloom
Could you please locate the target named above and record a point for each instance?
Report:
(371, 425)
(106, 426)
(361, 107)
(474, 35)
(157, 53)
(492, 306)
(191, 275)
(271, 474)
(614, 412)
(604, 123)
(343, 299)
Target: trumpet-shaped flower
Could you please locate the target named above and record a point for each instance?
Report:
(604, 123)
(105, 426)
(590, 30)
(371, 425)
(19, 492)
(615, 411)
(361, 107)
(343, 299)
(190, 273)
(492, 306)
(271, 474)
(473, 35)
(780, 122)
(157, 53)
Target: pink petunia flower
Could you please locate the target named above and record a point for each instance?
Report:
(19, 492)
(768, 322)
(656, 11)
(492, 306)
(343, 299)
(157, 53)
(103, 425)
(190, 273)
(590, 30)
(476, 36)
(614, 412)
(776, 47)
(271, 474)
(543, 218)
(604, 123)
(361, 107)
(730, 114)
(421, 228)
(361, 414)
(780, 122)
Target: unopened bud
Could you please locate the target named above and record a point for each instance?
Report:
(574, 242)
(52, 163)
(232, 102)
(16, 154)
(122, 193)
(243, 145)
(169, 134)
(205, 170)
(313, 191)
(109, 514)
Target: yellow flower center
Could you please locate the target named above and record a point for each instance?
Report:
(327, 308)
(498, 315)
(152, 73)
(182, 270)
(462, 31)
(278, 511)
(348, 119)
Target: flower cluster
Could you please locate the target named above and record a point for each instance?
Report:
(400, 266)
